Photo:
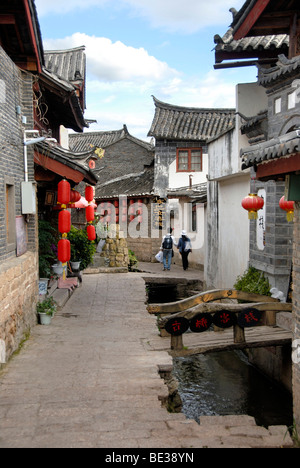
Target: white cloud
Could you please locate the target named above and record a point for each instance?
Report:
(186, 17)
(115, 61)
(133, 105)
(45, 7)
(172, 15)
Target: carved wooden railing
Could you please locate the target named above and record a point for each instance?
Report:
(256, 310)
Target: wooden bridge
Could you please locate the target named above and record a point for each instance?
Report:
(220, 320)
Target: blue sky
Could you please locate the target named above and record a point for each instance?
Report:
(139, 48)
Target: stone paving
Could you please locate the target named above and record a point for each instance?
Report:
(88, 381)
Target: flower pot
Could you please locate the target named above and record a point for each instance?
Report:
(57, 269)
(75, 266)
(45, 319)
(43, 286)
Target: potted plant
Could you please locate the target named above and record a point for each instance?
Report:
(46, 309)
(47, 246)
(82, 250)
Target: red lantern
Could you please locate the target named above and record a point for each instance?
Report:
(253, 204)
(64, 192)
(90, 213)
(75, 196)
(116, 203)
(64, 250)
(91, 232)
(89, 193)
(64, 221)
(289, 207)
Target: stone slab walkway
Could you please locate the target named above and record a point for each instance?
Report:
(89, 381)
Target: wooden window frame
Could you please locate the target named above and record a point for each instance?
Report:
(189, 150)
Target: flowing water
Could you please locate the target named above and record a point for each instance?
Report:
(224, 383)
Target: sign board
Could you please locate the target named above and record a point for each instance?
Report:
(292, 188)
(224, 319)
(159, 213)
(177, 326)
(249, 318)
(261, 223)
(201, 323)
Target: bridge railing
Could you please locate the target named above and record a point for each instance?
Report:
(199, 312)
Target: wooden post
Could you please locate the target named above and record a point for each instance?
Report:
(176, 342)
(270, 318)
(294, 49)
(238, 334)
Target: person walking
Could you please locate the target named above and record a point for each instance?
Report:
(185, 247)
(167, 245)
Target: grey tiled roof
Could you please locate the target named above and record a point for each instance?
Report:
(83, 141)
(132, 185)
(188, 123)
(273, 149)
(284, 68)
(70, 64)
(195, 193)
(252, 45)
(78, 162)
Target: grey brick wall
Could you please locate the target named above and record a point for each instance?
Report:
(296, 315)
(276, 259)
(123, 157)
(18, 92)
(18, 285)
(284, 121)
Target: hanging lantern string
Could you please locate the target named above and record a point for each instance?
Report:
(90, 213)
(253, 203)
(289, 207)
(64, 224)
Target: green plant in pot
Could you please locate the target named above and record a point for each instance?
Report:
(82, 250)
(47, 248)
(253, 281)
(45, 310)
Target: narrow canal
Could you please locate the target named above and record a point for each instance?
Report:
(225, 383)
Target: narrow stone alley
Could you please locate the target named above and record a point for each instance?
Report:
(88, 381)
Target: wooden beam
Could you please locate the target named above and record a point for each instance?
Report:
(58, 168)
(32, 35)
(251, 19)
(7, 19)
(294, 37)
(211, 308)
(211, 341)
(208, 296)
(216, 342)
(278, 167)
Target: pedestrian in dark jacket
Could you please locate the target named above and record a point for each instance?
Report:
(185, 247)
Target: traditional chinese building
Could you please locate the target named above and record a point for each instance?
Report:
(181, 165)
(126, 170)
(274, 158)
(35, 105)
